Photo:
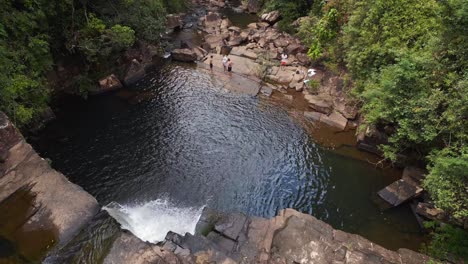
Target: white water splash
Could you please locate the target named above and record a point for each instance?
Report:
(152, 220)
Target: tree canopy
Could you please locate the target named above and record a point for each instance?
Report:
(34, 33)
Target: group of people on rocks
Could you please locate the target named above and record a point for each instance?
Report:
(227, 62)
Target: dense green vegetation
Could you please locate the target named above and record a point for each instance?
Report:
(408, 62)
(35, 33)
(448, 242)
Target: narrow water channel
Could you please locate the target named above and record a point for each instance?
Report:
(178, 141)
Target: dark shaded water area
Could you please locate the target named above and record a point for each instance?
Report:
(178, 136)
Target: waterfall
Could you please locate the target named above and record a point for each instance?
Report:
(152, 220)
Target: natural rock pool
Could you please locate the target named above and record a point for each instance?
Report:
(178, 141)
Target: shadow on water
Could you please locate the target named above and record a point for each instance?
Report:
(178, 135)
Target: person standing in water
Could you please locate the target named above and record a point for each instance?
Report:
(225, 61)
(284, 60)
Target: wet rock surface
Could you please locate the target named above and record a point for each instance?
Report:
(290, 237)
(40, 207)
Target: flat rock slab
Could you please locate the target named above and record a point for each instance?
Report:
(233, 81)
(335, 120)
(53, 209)
(399, 192)
(241, 65)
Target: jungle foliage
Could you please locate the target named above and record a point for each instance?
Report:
(34, 33)
(408, 62)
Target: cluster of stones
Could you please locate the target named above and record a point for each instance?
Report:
(290, 237)
(256, 52)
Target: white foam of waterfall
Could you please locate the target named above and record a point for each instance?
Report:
(152, 220)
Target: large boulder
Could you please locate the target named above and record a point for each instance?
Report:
(271, 17)
(109, 83)
(235, 41)
(134, 73)
(319, 104)
(225, 24)
(347, 110)
(212, 22)
(294, 49)
(335, 120)
(303, 59)
(281, 42)
(184, 55)
(173, 22)
(214, 41)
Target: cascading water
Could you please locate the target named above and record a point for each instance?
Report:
(152, 220)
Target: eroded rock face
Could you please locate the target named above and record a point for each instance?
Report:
(41, 207)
